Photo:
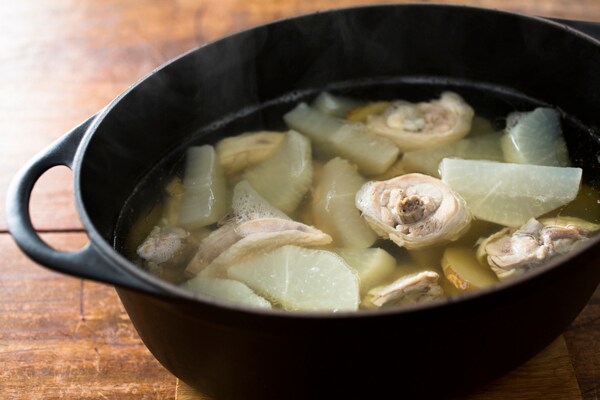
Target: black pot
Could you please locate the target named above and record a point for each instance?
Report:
(245, 82)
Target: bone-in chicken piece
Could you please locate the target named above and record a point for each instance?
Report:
(263, 235)
(414, 288)
(165, 250)
(414, 126)
(163, 244)
(239, 152)
(413, 210)
(213, 245)
(513, 251)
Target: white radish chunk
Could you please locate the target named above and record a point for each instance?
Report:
(205, 199)
(301, 279)
(510, 194)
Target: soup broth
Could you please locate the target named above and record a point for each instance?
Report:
(342, 200)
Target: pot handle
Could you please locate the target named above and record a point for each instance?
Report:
(86, 262)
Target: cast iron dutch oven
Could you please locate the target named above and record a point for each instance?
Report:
(497, 60)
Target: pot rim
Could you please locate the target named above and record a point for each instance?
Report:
(169, 290)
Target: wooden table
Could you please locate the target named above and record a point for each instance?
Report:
(61, 61)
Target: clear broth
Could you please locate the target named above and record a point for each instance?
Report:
(144, 207)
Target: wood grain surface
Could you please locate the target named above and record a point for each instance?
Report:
(60, 62)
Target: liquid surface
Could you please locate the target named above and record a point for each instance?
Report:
(452, 261)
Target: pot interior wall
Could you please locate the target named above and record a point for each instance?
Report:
(207, 93)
